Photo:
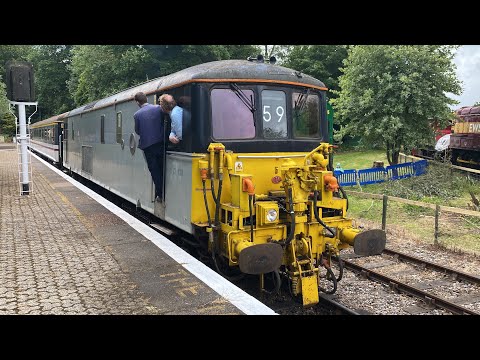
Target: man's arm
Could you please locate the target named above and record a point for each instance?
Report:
(177, 122)
(176, 126)
(137, 125)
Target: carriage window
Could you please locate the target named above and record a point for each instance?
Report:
(274, 114)
(306, 115)
(231, 118)
(102, 129)
(73, 131)
(119, 127)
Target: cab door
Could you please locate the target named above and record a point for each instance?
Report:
(59, 132)
(64, 150)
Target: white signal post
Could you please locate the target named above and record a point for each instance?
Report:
(22, 123)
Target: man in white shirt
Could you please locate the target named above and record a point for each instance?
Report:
(169, 105)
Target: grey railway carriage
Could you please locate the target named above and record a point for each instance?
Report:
(252, 179)
(46, 138)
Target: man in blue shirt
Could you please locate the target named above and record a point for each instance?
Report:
(149, 126)
(169, 105)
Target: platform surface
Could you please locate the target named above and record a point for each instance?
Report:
(66, 250)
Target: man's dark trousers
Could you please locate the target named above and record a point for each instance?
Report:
(154, 157)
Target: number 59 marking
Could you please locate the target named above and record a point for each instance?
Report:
(267, 116)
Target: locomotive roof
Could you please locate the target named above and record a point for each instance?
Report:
(224, 70)
(466, 110)
(49, 121)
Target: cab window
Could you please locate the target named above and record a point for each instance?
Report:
(306, 115)
(231, 117)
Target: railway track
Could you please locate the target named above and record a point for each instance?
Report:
(435, 285)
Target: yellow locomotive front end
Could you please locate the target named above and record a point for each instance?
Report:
(278, 212)
(264, 198)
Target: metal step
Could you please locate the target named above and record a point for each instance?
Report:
(162, 229)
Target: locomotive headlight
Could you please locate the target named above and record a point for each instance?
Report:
(272, 215)
(267, 213)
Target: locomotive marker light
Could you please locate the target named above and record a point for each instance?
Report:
(20, 92)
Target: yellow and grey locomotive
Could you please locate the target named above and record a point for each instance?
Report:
(251, 180)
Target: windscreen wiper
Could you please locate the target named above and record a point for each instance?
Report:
(249, 103)
(302, 100)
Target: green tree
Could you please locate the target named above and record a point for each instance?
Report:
(7, 120)
(3, 98)
(242, 52)
(391, 93)
(50, 63)
(7, 53)
(477, 103)
(7, 124)
(320, 61)
(168, 59)
(13, 52)
(100, 70)
(279, 51)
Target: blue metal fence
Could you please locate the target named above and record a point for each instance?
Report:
(378, 175)
(346, 177)
(399, 171)
(420, 167)
(371, 176)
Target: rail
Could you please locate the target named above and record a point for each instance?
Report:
(399, 286)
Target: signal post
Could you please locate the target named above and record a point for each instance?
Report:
(20, 93)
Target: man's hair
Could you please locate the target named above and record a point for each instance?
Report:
(167, 102)
(141, 98)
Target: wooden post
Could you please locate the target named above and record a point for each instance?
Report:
(384, 212)
(437, 214)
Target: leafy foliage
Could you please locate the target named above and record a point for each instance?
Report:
(7, 120)
(12, 52)
(68, 76)
(3, 98)
(390, 94)
(97, 71)
(320, 61)
(7, 124)
(8, 52)
(100, 70)
(51, 75)
(280, 52)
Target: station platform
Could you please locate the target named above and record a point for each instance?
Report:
(67, 250)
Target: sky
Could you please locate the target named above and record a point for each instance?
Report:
(467, 60)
